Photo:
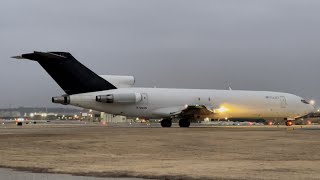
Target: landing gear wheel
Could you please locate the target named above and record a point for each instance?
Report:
(289, 123)
(166, 123)
(184, 123)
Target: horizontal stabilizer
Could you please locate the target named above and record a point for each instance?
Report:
(17, 57)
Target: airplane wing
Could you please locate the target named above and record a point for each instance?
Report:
(196, 110)
(187, 111)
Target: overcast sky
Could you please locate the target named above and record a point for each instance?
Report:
(252, 45)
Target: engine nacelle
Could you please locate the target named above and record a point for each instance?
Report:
(65, 100)
(125, 98)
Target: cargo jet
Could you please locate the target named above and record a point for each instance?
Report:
(115, 95)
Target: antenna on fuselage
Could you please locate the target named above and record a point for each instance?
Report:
(228, 85)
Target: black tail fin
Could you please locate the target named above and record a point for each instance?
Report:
(72, 76)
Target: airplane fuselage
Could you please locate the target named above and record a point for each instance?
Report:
(163, 103)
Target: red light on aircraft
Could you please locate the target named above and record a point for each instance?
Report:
(270, 123)
(309, 122)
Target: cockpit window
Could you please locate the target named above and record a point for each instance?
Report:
(304, 101)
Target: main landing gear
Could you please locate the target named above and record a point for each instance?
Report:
(289, 123)
(168, 123)
(184, 123)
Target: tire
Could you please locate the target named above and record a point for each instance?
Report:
(166, 123)
(184, 123)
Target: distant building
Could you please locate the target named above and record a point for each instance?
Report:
(114, 119)
(43, 113)
(37, 112)
(8, 113)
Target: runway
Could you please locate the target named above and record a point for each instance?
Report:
(146, 151)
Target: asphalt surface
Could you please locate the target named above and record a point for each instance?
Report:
(9, 174)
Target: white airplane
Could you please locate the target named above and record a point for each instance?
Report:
(115, 95)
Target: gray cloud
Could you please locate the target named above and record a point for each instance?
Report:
(254, 45)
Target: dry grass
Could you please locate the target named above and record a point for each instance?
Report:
(164, 153)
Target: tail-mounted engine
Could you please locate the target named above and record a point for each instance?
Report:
(120, 98)
(65, 100)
